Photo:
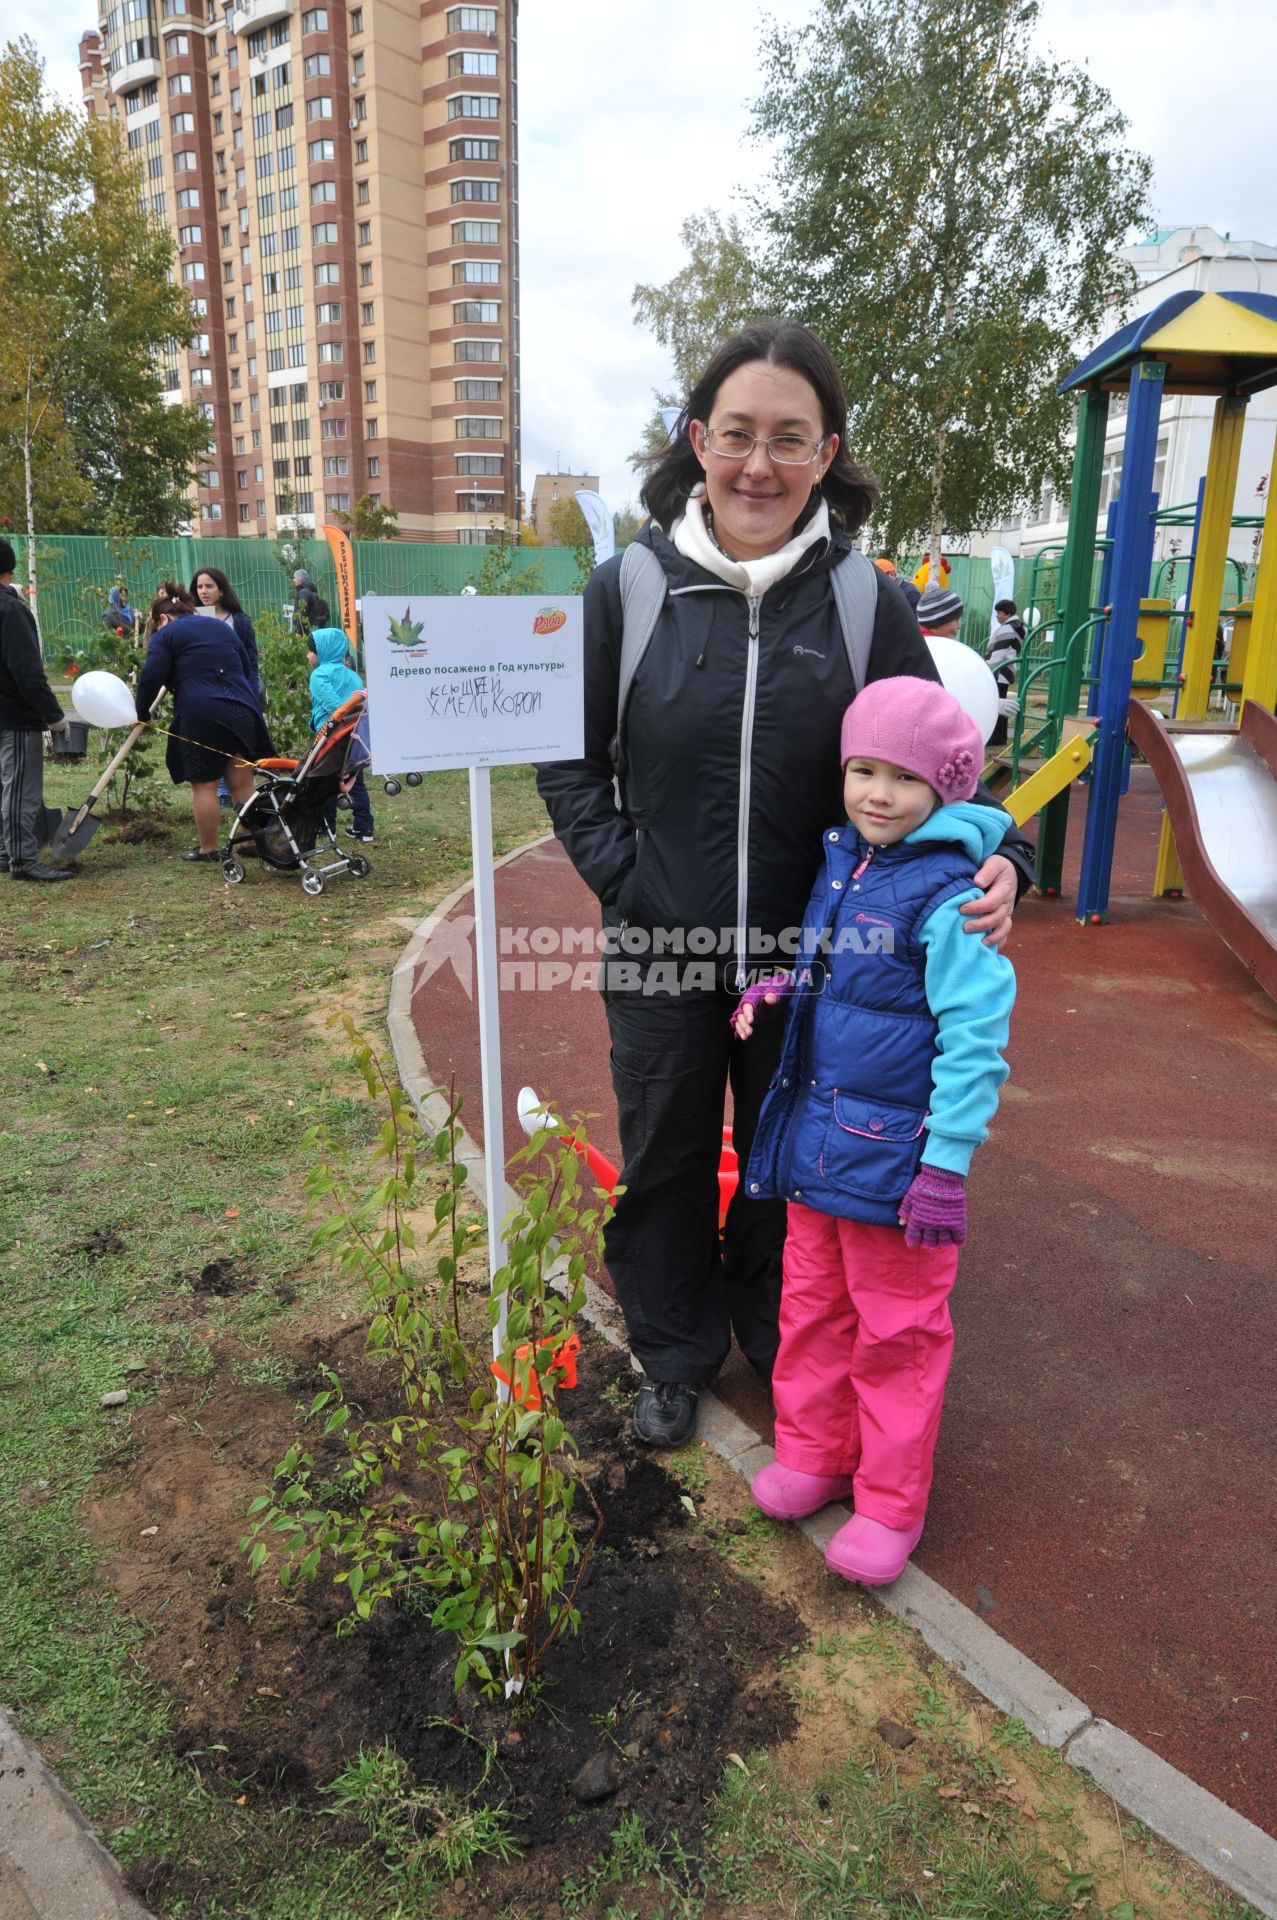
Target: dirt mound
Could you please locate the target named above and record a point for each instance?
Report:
(676, 1665)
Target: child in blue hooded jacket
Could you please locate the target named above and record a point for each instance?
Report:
(888, 1079)
(332, 682)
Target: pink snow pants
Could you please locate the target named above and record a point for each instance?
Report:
(865, 1346)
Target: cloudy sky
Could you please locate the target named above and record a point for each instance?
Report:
(632, 120)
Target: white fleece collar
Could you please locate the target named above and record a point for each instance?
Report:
(694, 541)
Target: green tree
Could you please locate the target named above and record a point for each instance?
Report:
(944, 209)
(370, 520)
(626, 522)
(716, 292)
(566, 525)
(86, 304)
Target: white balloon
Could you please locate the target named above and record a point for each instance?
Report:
(968, 678)
(104, 700)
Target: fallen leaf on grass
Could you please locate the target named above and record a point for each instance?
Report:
(232, 1213)
(948, 1793)
(242, 1801)
(969, 1806)
(270, 1693)
(239, 1016)
(148, 1531)
(42, 1066)
(735, 1760)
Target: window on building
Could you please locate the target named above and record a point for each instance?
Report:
(244, 511)
(371, 430)
(320, 107)
(294, 318)
(363, 193)
(328, 313)
(279, 34)
(357, 68)
(485, 463)
(331, 351)
(332, 429)
(180, 83)
(193, 270)
(283, 117)
(315, 20)
(478, 426)
(476, 190)
(335, 465)
(365, 233)
(320, 150)
(337, 502)
(370, 393)
(324, 234)
(361, 151)
(477, 389)
(477, 537)
(483, 65)
(188, 197)
(356, 19)
(190, 236)
(316, 66)
(177, 45)
(374, 466)
(327, 273)
(471, 273)
(476, 501)
(1110, 481)
(474, 150)
(297, 354)
(301, 467)
(474, 106)
(322, 190)
(182, 163)
(476, 350)
(332, 390)
(476, 313)
(471, 20)
(479, 233)
(365, 273)
(182, 123)
(283, 76)
(359, 108)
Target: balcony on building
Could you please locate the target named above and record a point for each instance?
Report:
(137, 72)
(246, 16)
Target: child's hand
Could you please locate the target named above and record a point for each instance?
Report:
(933, 1212)
(767, 992)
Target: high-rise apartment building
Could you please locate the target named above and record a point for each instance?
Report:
(342, 186)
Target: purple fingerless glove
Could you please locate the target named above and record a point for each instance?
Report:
(778, 984)
(934, 1211)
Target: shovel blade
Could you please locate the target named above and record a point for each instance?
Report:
(71, 838)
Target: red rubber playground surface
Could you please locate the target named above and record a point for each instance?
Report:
(1106, 1486)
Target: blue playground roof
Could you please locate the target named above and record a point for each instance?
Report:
(1210, 343)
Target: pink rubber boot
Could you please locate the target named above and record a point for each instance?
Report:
(786, 1494)
(866, 1551)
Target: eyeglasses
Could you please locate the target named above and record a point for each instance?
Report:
(786, 449)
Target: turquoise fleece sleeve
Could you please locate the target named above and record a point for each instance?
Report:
(970, 990)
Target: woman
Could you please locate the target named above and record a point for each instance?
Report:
(217, 728)
(213, 593)
(709, 843)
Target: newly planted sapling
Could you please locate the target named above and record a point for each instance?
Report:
(465, 1498)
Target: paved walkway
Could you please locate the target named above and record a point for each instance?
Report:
(1105, 1494)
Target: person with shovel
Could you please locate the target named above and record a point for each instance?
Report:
(28, 708)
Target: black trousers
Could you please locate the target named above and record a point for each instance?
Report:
(682, 1293)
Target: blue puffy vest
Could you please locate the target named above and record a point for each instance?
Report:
(843, 1124)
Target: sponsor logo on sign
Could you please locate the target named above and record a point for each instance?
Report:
(549, 620)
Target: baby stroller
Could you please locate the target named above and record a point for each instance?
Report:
(284, 821)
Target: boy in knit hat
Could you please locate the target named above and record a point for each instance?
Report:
(887, 1082)
(940, 611)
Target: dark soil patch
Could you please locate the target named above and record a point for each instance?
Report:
(218, 1280)
(134, 829)
(676, 1666)
(98, 1245)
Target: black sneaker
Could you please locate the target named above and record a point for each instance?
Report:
(665, 1413)
(38, 871)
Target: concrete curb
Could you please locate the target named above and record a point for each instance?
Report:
(52, 1864)
(1174, 1807)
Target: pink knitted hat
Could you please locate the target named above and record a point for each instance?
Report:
(917, 725)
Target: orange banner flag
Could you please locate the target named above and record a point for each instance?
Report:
(344, 564)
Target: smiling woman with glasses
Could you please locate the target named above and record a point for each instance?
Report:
(696, 818)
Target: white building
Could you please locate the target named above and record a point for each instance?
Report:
(1174, 260)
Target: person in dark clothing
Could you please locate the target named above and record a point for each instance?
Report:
(1002, 652)
(28, 707)
(121, 615)
(213, 594)
(309, 609)
(218, 729)
(702, 857)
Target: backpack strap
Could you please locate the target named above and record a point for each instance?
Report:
(855, 583)
(643, 589)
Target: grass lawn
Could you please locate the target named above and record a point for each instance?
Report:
(165, 1043)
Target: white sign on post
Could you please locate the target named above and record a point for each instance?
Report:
(472, 681)
(476, 681)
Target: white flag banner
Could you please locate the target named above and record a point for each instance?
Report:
(671, 416)
(599, 520)
(1002, 564)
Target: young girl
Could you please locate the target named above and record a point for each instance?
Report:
(332, 682)
(889, 1076)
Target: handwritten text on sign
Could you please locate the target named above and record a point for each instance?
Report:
(473, 680)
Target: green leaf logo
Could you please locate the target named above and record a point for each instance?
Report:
(406, 632)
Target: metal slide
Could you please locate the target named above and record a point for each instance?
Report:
(1219, 785)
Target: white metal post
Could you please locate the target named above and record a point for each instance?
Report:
(486, 981)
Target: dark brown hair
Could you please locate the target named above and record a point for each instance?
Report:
(169, 603)
(849, 489)
(227, 596)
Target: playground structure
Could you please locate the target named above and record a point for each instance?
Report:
(1218, 781)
